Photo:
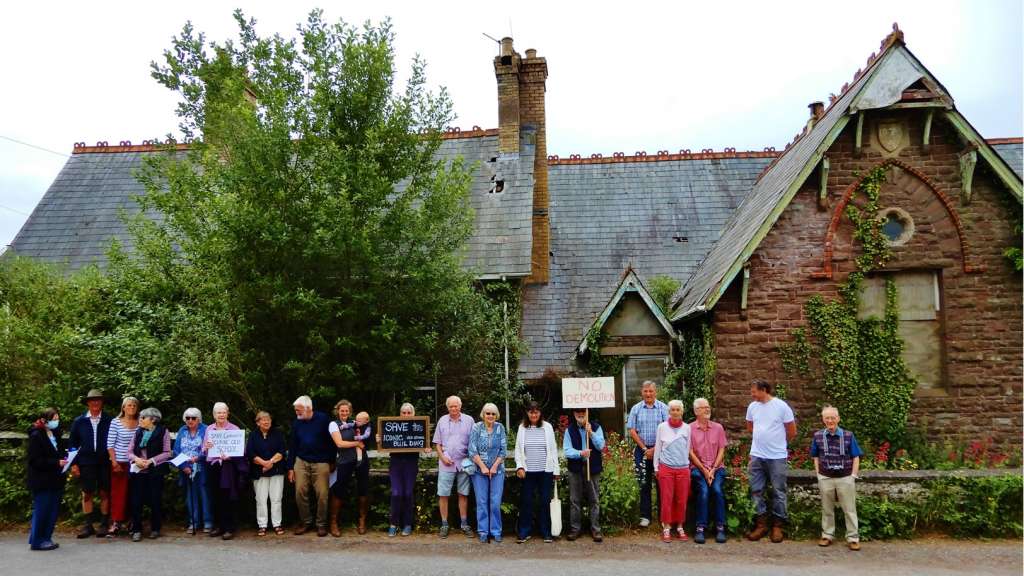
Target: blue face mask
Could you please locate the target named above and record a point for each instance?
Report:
(52, 424)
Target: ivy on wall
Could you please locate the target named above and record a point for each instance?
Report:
(860, 360)
(694, 376)
(598, 365)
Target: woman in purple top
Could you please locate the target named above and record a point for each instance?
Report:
(225, 477)
(150, 449)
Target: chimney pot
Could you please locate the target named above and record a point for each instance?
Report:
(531, 53)
(817, 110)
(506, 46)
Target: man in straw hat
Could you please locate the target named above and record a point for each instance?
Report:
(88, 437)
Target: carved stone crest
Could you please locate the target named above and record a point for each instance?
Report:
(890, 134)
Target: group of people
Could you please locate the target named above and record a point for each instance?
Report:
(672, 457)
(123, 460)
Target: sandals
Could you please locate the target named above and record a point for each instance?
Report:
(261, 532)
(278, 530)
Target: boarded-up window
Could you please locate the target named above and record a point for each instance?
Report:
(920, 320)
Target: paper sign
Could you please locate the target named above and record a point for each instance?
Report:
(588, 392)
(409, 434)
(71, 458)
(228, 442)
(180, 459)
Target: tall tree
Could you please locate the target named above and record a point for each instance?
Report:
(310, 234)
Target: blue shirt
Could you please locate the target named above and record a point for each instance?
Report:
(311, 441)
(596, 443)
(855, 451)
(645, 419)
(489, 446)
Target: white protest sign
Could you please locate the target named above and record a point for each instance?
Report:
(227, 442)
(588, 392)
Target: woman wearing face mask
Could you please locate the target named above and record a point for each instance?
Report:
(672, 469)
(151, 448)
(46, 462)
(487, 451)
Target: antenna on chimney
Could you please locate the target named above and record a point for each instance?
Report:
(496, 41)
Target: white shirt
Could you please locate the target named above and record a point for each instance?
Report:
(769, 419)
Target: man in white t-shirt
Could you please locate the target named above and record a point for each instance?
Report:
(772, 425)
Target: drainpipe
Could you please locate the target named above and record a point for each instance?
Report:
(504, 342)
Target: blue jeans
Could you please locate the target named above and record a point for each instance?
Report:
(197, 495)
(532, 483)
(644, 470)
(762, 470)
(488, 490)
(45, 505)
(699, 486)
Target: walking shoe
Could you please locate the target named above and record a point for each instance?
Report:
(522, 539)
(666, 535)
(136, 536)
(825, 542)
(483, 538)
(321, 531)
(645, 522)
(760, 529)
(46, 546)
(104, 527)
(154, 534)
(215, 533)
(467, 530)
(597, 536)
(681, 534)
(302, 529)
(572, 536)
(392, 531)
(407, 531)
(777, 535)
(855, 546)
(86, 531)
(227, 536)
(444, 530)
(497, 539)
(190, 530)
(548, 539)
(720, 535)
(698, 536)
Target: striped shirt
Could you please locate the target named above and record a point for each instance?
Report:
(536, 449)
(120, 439)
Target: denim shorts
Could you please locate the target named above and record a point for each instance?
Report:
(445, 480)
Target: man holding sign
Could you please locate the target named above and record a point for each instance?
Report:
(582, 444)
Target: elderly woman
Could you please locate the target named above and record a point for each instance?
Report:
(487, 451)
(46, 462)
(402, 469)
(344, 432)
(672, 468)
(150, 449)
(537, 466)
(192, 474)
(266, 450)
(119, 441)
(225, 476)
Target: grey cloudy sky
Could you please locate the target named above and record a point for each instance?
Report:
(622, 76)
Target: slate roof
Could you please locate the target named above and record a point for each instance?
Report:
(78, 217)
(1012, 152)
(608, 216)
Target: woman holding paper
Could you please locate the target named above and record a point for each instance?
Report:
(672, 469)
(225, 476)
(46, 462)
(188, 444)
(150, 449)
(265, 451)
(119, 441)
(487, 450)
(537, 467)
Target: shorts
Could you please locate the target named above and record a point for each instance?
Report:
(93, 477)
(446, 479)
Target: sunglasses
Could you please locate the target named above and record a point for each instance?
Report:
(191, 418)
(490, 413)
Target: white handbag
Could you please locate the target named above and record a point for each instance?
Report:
(556, 513)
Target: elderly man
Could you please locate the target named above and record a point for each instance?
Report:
(451, 437)
(836, 462)
(309, 463)
(643, 421)
(707, 455)
(582, 444)
(772, 425)
(88, 436)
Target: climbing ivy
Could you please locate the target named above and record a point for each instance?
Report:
(861, 363)
(598, 365)
(694, 376)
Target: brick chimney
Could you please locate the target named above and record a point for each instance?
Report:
(522, 83)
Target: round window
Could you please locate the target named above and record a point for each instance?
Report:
(897, 225)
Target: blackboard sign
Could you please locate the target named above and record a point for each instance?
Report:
(403, 434)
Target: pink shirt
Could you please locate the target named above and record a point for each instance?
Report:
(707, 442)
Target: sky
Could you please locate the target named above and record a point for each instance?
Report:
(621, 77)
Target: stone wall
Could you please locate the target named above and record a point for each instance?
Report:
(981, 296)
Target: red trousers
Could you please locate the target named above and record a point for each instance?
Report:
(674, 488)
(119, 494)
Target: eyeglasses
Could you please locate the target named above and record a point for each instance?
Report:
(490, 413)
(191, 418)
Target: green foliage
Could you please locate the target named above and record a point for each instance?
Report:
(694, 377)
(986, 506)
(598, 365)
(861, 364)
(661, 288)
(620, 493)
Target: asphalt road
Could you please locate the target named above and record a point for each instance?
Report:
(377, 555)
